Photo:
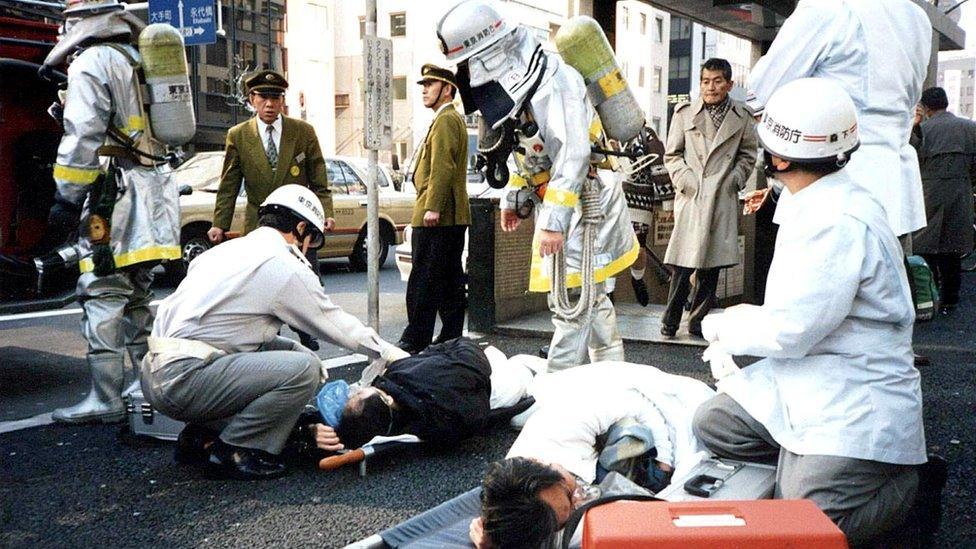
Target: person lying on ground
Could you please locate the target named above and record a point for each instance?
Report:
(574, 435)
(442, 396)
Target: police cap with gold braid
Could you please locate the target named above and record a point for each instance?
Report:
(431, 71)
(266, 81)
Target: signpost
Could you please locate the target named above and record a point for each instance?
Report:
(377, 134)
(195, 19)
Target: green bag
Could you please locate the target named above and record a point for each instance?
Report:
(926, 291)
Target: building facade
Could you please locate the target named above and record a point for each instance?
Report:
(957, 75)
(642, 43)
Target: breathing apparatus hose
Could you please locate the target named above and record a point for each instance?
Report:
(591, 218)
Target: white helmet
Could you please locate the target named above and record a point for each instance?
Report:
(84, 8)
(303, 203)
(469, 28)
(810, 120)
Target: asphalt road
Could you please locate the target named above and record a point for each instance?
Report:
(79, 487)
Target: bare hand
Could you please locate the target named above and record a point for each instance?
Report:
(431, 219)
(919, 115)
(216, 235)
(754, 200)
(510, 220)
(326, 438)
(476, 531)
(329, 224)
(550, 242)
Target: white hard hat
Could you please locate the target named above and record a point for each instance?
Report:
(84, 8)
(810, 120)
(303, 203)
(469, 28)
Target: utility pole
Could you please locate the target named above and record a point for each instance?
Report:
(377, 135)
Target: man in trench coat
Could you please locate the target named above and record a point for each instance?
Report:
(946, 146)
(711, 152)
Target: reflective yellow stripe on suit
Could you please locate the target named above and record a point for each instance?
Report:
(561, 197)
(78, 176)
(540, 282)
(153, 253)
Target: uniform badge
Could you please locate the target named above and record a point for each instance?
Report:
(294, 171)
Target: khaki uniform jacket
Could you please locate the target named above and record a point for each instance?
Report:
(441, 175)
(300, 161)
(708, 167)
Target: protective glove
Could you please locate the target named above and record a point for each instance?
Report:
(721, 362)
(709, 327)
(63, 220)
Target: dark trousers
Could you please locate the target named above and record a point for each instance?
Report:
(947, 269)
(436, 285)
(702, 301)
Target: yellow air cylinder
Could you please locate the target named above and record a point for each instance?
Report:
(583, 45)
(167, 79)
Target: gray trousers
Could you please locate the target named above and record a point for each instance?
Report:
(864, 498)
(253, 399)
(586, 340)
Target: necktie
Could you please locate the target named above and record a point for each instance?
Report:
(271, 149)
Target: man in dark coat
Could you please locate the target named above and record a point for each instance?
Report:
(441, 395)
(946, 147)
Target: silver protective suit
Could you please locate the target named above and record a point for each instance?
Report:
(103, 90)
(565, 118)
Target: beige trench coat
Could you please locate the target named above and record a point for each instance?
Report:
(708, 168)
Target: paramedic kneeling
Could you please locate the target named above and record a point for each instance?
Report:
(214, 358)
(837, 401)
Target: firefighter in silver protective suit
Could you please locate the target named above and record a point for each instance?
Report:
(541, 104)
(112, 175)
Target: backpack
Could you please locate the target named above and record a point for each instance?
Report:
(926, 291)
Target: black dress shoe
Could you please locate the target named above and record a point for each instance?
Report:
(409, 347)
(640, 291)
(234, 462)
(668, 331)
(544, 351)
(193, 444)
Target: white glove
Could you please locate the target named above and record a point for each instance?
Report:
(709, 327)
(721, 362)
(393, 353)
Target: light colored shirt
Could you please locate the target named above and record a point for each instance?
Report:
(836, 326)
(275, 136)
(850, 42)
(236, 297)
(575, 406)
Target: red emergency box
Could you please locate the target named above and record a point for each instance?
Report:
(760, 524)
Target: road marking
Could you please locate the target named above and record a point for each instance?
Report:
(16, 425)
(58, 312)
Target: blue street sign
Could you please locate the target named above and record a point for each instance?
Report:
(196, 19)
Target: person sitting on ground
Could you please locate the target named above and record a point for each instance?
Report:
(214, 358)
(836, 403)
(442, 396)
(563, 447)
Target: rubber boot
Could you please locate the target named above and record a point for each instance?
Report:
(104, 402)
(136, 352)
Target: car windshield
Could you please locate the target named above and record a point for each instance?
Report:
(202, 172)
(362, 168)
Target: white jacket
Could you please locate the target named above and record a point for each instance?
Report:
(878, 50)
(575, 406)
(836, 326)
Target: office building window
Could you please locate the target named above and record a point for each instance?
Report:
(640, 77)
(362, 28)
(657, 79)
(399, 87)
(398, 24)
(656, 124)
(679, 67)
(680, 28)
(553, 29)
(625, 16)
(659, 29)
(643, 24)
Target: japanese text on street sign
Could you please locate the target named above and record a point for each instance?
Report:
(378, 132)
(195, 19)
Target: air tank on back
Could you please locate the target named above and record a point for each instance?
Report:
(583, 45)
(170, 101)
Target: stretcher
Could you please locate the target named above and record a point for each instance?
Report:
(443, 526)
(387, 445)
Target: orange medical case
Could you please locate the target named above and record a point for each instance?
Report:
(759, 524)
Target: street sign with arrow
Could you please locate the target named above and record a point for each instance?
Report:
(195, 19)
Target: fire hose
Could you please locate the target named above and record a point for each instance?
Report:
(591, 218)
